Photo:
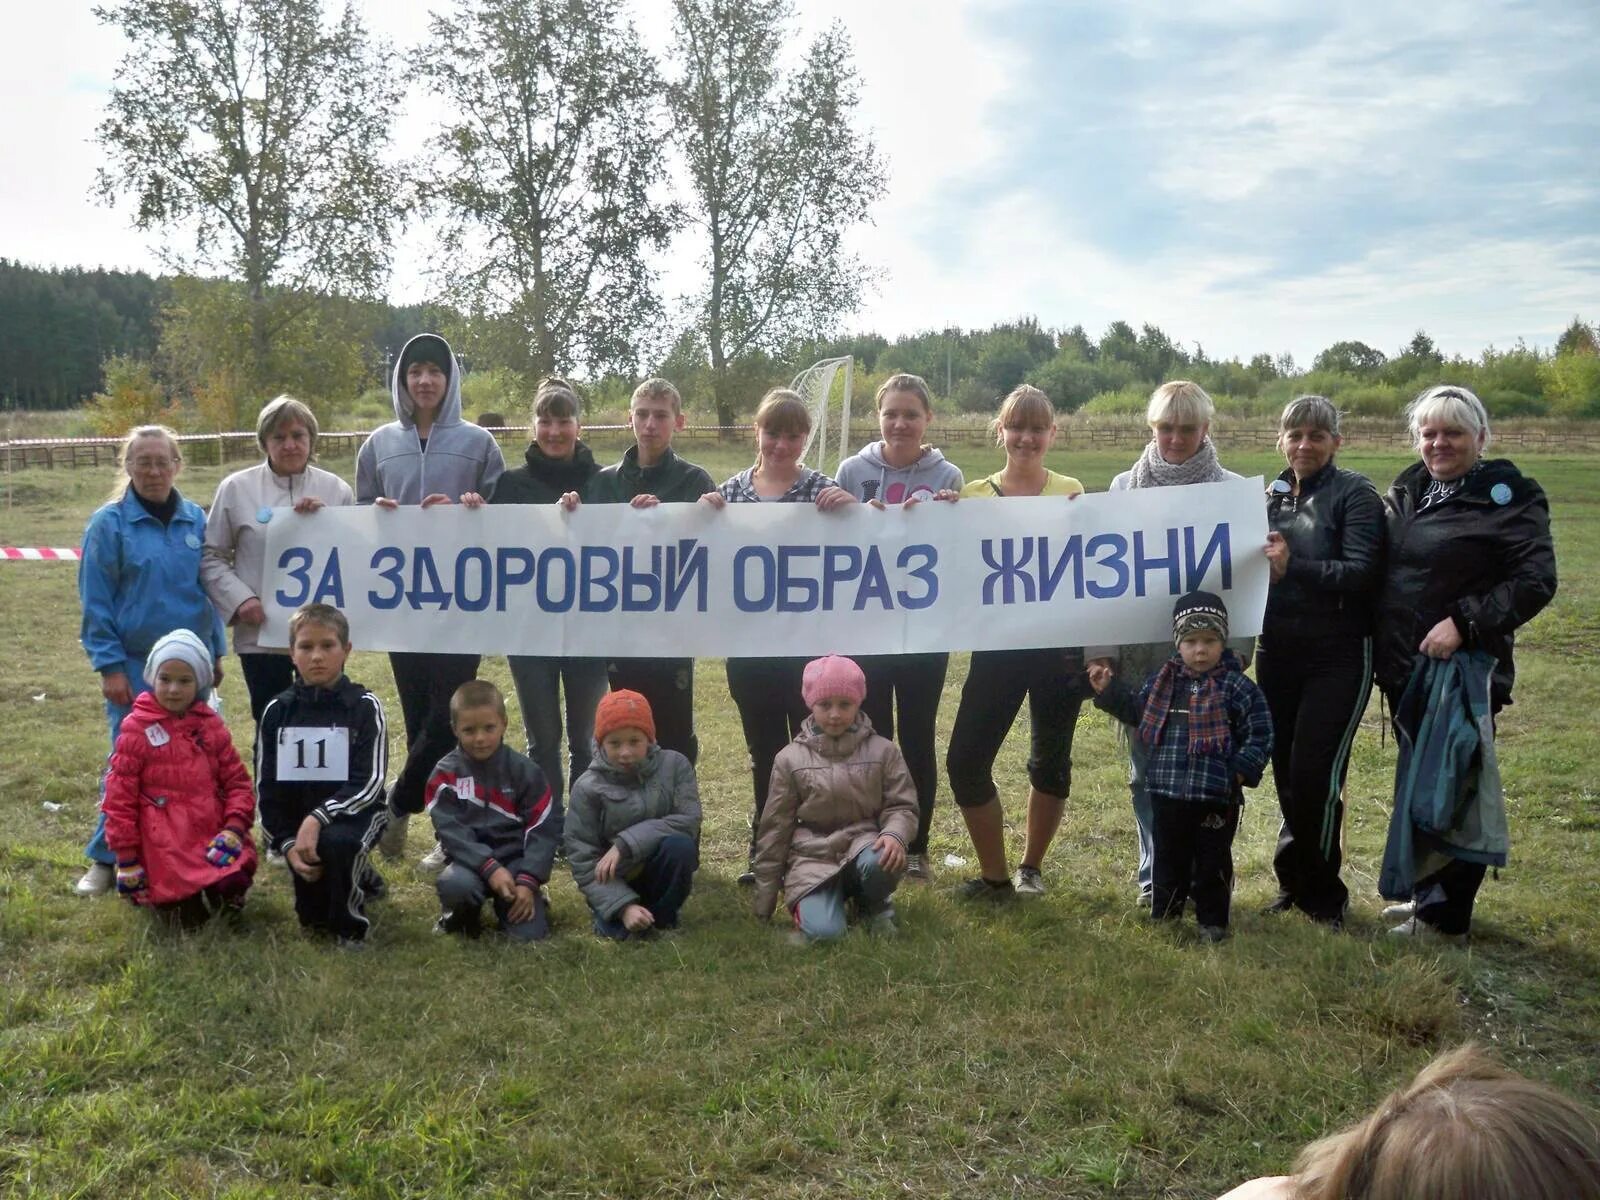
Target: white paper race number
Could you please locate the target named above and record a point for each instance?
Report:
(313, 753)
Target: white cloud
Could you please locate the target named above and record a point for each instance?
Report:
(1277, 181)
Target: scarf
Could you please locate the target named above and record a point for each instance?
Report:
(1440, 490)
(1208, 715)
(1151, 470)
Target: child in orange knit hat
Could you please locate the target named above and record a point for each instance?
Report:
(633, 823)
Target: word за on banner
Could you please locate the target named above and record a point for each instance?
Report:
(611, 581)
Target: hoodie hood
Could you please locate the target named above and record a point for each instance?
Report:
(450, 407)
(867, 476)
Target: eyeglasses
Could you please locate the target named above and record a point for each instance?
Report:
(152, 464)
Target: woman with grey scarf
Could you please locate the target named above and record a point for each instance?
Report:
(1180, 451)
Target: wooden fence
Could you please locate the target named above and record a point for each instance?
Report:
(218, 448)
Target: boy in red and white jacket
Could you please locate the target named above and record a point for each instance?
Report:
(497, 822)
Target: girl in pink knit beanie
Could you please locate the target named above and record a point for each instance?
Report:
(839, 815)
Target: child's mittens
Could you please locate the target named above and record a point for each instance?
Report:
(224, 849)
(130, 878)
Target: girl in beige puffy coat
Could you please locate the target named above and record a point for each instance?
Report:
(840, 813)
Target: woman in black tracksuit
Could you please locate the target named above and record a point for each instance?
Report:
(1314, 657)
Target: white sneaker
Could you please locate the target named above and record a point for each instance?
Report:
(1028, 882)
(434, 860)
(99, 879)
(1399, 912)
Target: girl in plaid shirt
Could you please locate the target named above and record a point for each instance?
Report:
(1208, 733)
(767, 690)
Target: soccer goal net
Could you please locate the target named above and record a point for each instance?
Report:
(825, 387)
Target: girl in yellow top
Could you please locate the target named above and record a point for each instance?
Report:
(998, 680)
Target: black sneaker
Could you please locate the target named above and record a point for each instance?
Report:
(996, 892)
(468, 925)
(372, 885)
(1284, 903)
(1213, 933)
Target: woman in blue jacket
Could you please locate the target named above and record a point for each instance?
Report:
(139, 579)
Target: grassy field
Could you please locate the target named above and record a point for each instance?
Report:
(1058, 1048)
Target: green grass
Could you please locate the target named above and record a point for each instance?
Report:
(1062, 1048)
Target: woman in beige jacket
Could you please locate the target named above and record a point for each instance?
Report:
(839, 815)
(233, 564)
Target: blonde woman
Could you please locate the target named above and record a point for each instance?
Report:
(999, 680)
(138, 580)
(1180, 452)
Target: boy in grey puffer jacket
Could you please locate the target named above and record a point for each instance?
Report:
(633, 823)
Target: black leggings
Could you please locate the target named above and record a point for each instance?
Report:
(265, 675)
(1317, 689)
(425, 683)
(914, 683)
(997, 682)
(767, 692)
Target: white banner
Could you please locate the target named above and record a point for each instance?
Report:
(686, 580)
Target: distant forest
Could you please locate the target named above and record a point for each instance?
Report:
(60, 328)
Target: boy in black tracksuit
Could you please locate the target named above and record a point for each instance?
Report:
(322, 751)
(651, 473)
(497, 821)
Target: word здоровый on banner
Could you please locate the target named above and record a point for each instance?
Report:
(683, 580)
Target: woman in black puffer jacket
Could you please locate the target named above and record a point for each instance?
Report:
(1469, 559)
(1314, 657)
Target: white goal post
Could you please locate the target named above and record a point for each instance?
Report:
(827, 398)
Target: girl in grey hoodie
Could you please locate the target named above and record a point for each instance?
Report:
(901, 470)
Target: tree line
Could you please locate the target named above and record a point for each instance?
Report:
(67, 336)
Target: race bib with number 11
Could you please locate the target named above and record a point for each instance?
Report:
(314, 753)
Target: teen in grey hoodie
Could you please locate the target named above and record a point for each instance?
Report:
(895, 471)
(427, 455)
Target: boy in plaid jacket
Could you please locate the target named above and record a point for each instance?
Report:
(1209, 736)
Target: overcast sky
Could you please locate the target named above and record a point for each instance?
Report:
(1250, 176)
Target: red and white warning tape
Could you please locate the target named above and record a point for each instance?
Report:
(39, 553)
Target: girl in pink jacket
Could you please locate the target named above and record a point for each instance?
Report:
(841, 811)
(178, 800)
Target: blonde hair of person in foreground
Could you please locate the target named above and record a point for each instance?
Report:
(1464, 1127)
